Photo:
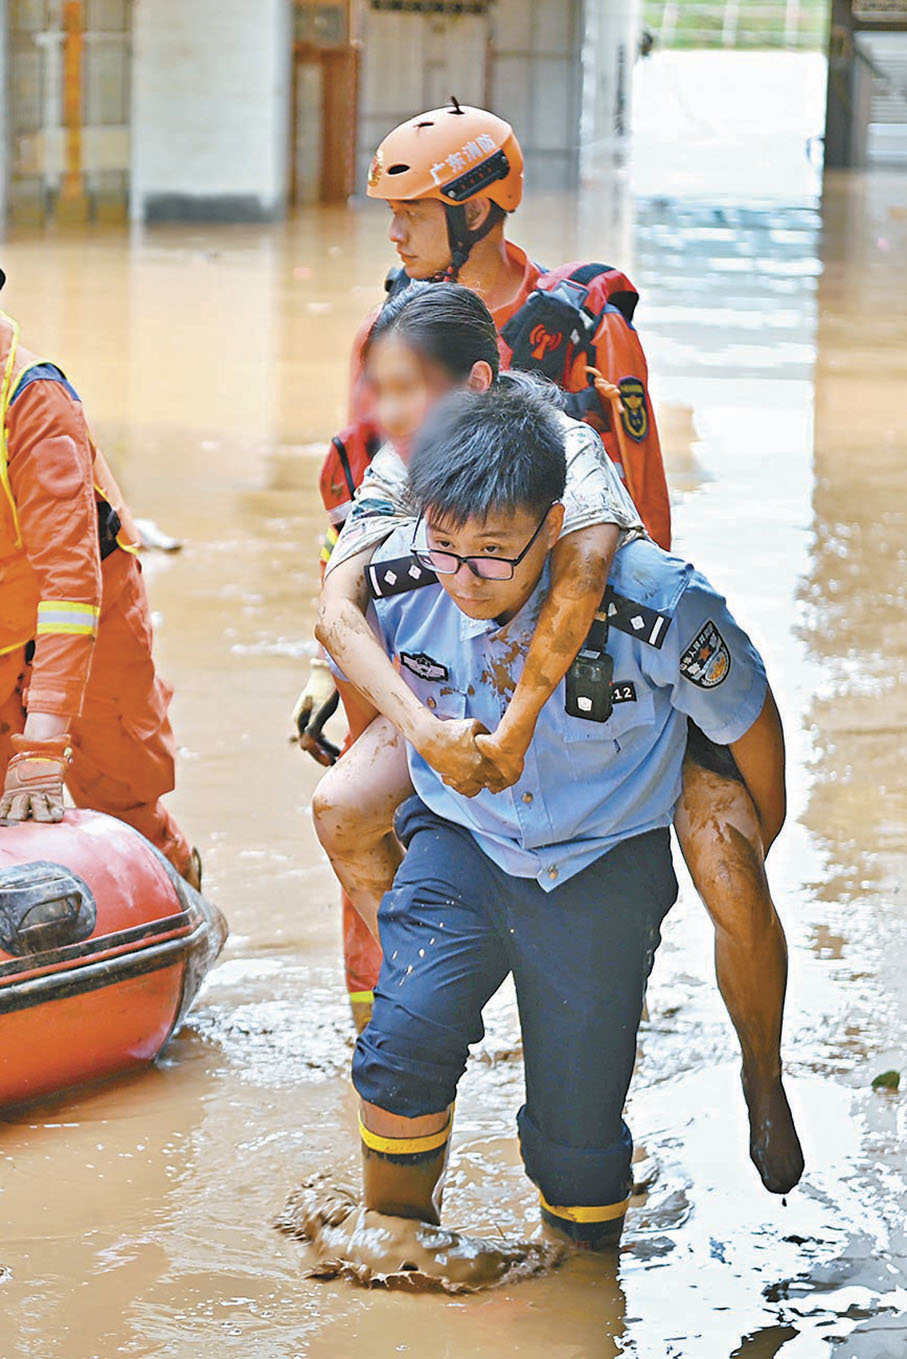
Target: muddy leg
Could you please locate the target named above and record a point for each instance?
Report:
(719, 834)
(353, 811)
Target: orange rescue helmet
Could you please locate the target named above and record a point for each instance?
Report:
(454, 154)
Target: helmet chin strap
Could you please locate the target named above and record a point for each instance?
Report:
(461, 239)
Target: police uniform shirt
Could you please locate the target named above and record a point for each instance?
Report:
(594, 494)
(585, 785)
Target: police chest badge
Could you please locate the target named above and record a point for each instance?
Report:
(635, 415)
(426, 667)
(706, 661)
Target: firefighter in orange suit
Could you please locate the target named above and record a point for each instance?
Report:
(80, 701)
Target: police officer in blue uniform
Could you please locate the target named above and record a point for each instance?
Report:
(564, 878)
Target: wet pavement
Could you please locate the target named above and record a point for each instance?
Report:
(137, 1219)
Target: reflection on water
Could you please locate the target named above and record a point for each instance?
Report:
(137, 1219)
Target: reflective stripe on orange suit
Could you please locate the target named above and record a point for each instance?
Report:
(89, 620)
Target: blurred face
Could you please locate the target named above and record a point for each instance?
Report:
(406, 385)
(418, 231)
(498, 535)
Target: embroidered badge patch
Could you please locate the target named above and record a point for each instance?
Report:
(706, 661)
(424, 666)
(635, 415)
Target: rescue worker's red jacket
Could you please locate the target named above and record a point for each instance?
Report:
(619, 357)
(53, 482)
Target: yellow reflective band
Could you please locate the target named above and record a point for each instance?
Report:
(404, 1146)
(66, 616)
(362, 997)
(327, 543)
(66, 630)
(606, 1212)
(68, 606)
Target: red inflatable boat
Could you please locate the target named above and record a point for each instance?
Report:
(102, 950)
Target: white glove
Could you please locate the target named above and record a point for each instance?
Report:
(317, 702)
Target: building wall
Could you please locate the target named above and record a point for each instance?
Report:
(412, 62)
(536, 83)
(210, 109)
(556, 69)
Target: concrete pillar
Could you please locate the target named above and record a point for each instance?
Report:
(210, 110)
(839, 122)
(536, 83)
(611, 40)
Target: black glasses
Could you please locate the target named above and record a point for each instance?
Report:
(486, 568)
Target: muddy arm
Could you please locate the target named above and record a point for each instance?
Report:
(343, 630)
(760, 758)
(579, 572)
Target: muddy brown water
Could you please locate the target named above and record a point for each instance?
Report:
(136, 1219)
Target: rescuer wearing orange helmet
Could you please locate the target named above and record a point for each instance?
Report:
(450, 177)
(80, 701)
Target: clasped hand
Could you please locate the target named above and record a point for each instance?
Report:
(469, 758)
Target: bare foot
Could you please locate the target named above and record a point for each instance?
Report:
(392, 1252)
(774, 1145)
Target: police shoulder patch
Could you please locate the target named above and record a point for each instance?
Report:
(635, 414)
(707, 660)
(425, 666)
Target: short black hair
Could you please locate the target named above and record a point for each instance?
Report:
(502, 450)
(444, 322)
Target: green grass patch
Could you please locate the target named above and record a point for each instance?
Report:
(749, 24)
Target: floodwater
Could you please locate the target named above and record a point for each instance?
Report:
(136, 1220)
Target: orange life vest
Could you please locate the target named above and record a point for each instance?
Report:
(18, 583)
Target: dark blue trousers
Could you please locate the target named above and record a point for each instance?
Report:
(453, 926)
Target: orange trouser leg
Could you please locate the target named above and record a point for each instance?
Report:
(361, 952)
(123, 744)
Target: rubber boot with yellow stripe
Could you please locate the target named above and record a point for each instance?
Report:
(594, 1228)
(404, 1176)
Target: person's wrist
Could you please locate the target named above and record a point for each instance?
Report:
(514, 733)
(45, 726)
(424, 733)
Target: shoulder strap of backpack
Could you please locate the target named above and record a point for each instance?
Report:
(340, 449)
(623, 298)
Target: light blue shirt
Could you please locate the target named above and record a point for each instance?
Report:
(585, 785)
